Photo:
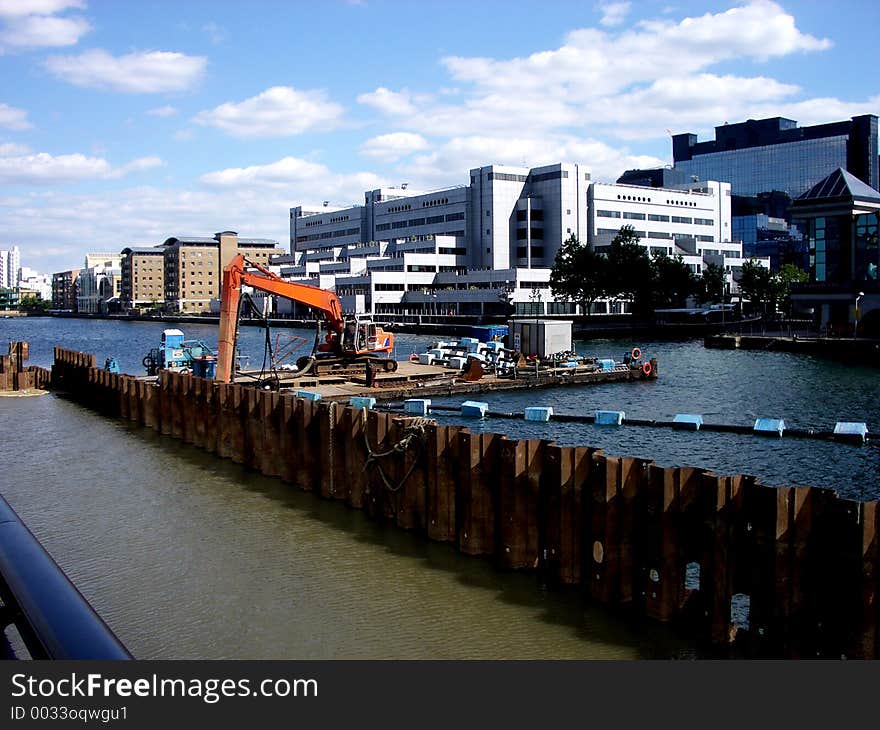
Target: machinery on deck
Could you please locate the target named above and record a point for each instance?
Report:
(349, 344)
(176, 353)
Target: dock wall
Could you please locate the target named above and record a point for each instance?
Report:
(15, 376)
(789, 572)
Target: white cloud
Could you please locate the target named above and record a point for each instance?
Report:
(32, 24)
(391, 147)
(19, 8)
(12, 118)
(301, 180)
(280, 111)
(163, 111)
(629, 83)
(394, 103)
(614, 13)
(19, 166)
(145, 72)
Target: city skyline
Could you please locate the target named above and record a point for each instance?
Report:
(125, 124)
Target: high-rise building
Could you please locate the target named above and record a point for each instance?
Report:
(99, 282)
(10, 263)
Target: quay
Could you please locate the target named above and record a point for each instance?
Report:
(775, 571)
(864, 350)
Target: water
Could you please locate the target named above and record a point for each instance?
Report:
(190, 556)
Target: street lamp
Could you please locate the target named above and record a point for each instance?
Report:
(857, 313)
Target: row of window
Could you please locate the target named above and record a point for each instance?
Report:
(507, 176)
(537, 252)
(432, 203)
(537, 215)
(654, 234)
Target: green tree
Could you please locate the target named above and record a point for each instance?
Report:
(33, 304)
(710, 287)
(756, 285)
(630, 274)
(578, 273)
(789, 274)
(674, 282)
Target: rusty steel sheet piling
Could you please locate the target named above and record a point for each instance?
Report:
(788, 571)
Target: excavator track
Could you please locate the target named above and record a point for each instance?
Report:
(343, 366)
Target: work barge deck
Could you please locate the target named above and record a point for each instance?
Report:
(624, 531)
(412, 380)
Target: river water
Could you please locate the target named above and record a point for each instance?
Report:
(190, 556)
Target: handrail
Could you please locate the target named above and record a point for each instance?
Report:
(54, 619)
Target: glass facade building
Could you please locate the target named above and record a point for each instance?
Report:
(775, 154)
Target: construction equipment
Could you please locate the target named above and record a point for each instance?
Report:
(176, 353)
(349, 343)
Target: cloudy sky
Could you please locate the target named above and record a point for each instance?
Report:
(124, 123)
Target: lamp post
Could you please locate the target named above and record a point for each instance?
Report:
(857, 313)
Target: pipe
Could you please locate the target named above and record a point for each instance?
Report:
(52, 616)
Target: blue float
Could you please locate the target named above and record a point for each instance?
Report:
(606, 364)
(417, 406)
(851, 431)
(538, 413)
(308, 395)
(359, 401)
(769, 426)
(689, 421)
(474, 409)
(610, 418)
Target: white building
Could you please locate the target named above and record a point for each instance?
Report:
(100, 281)
(10, 263)
(471, 249)
(29, 279)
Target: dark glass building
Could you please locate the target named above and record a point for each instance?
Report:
(761, 155)
(841, 217)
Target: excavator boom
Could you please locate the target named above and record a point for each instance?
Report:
(235, 276)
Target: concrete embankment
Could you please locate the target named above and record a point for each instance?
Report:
(789, 571)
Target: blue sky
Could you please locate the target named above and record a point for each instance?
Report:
(126, 122)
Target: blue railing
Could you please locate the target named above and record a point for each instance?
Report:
(53, 618)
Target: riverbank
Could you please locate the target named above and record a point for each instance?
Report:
(583, 328)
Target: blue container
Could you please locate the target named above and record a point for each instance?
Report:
(204, 367)
(308, 395)
(362, 402)
(851, 431)
(607, 364)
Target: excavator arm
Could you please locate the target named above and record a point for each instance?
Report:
(235, 276)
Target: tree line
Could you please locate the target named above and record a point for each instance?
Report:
(656, 280)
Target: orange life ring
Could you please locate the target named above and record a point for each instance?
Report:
(647, 368)
(636, 353)
(413, 358)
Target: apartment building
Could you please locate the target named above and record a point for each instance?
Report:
(143, 278)
(193, 267)
(64, 290)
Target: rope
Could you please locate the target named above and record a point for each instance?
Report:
(330, 446)
(415, 433)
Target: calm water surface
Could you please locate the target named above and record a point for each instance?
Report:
(187, 555)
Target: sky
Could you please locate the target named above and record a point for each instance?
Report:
(126, 122)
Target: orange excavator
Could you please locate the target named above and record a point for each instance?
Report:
(349, 344)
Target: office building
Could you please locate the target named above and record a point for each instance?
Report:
(841, 215)
(775, 154)
(476, 248)
(99, 282)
